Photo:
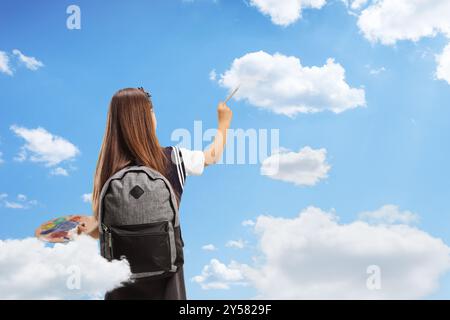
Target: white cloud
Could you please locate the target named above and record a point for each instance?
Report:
(213, 75)
(1, 158)
(247, 223)
(87, 197)
(21, 202)
(313, 256)
(44, 147)
(4, 64)
(354, 5)
(59, 172)
(285, 12)
(443, 64)
(389, 21)
(357, 4)
(21, 156)
(31, 270)
(209, 247)
(389, 214)
(282, 85)
(306, 167)
(377, 71)
(30, 62)
(238, 244)
(217, 275)
(14, 205)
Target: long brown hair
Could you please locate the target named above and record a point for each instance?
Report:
(130, 138)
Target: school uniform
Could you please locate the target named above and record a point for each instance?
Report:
(183, 163)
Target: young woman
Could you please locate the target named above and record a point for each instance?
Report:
(130, 138)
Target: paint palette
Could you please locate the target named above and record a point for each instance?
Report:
(66, 228)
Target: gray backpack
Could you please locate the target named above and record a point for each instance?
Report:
(139, 221)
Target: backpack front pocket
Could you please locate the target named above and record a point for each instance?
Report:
(146, 246)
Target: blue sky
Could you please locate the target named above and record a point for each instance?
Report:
(392, 151)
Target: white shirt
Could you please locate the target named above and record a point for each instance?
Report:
(194, 161)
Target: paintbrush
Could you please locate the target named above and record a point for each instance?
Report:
(232, 94)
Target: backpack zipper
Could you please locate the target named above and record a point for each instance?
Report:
(108, 232)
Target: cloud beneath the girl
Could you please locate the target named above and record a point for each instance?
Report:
(44, 147)
(281, 84)
(30, 269)
(314, 256)
(285, 12)
(303, 168)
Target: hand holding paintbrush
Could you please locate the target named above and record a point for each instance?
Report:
(224, 114)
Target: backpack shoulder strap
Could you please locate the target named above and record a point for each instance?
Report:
(178, 162)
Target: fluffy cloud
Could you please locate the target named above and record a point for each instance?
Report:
(282, 85)
(4, 64)
(14, 205)
(314, 256)
(209, 247)
(443, 64)
(333, 258)
(59, 172)
(44, 147)
(306, 167)
(217, 275)
(87, 197)
(238, 244)
(376, 71)
(389, 214)
(247, 223)
(1, 158)
(32, 270)
(21, 202)
(22, 197)
(356, 4)
(212, 75)
(389, 21)
(30, 62)
(285, 12)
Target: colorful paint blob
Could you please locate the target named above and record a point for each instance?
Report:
(66, 228)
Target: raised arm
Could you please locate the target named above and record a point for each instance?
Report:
(215, 150)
